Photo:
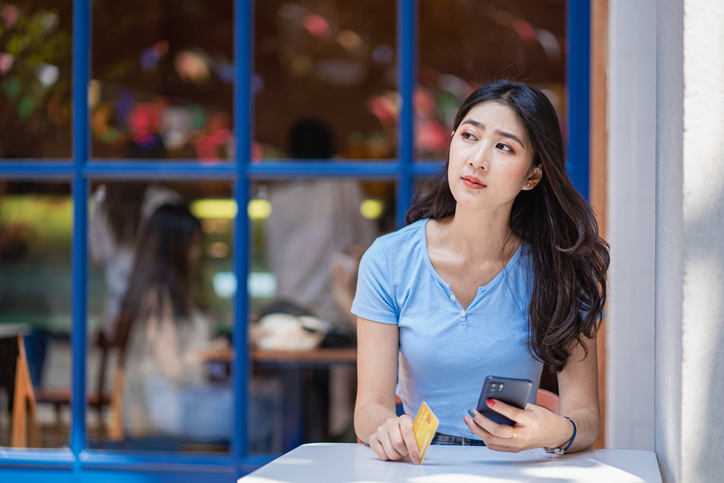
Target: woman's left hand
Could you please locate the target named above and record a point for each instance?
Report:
(535, 427)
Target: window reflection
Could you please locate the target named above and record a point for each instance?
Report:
(35, 296)
(162, 80)
(331, 60)
(159, 357)
(35, 68)
(475, 43)
(307, 239)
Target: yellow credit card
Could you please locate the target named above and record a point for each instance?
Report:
(424, 427)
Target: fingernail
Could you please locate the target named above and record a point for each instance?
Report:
(415, 458)
(471, 413)
(490, 403)
(468, 419)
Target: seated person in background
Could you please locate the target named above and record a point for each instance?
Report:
(311, 222)
(163, 335)
(313, 233)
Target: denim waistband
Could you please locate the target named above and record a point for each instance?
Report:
(441, 438)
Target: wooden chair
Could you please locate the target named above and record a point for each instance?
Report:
(24, 405)
(548, 400)
(98, 398)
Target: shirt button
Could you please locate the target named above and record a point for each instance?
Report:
(452, 297)
(462, 313)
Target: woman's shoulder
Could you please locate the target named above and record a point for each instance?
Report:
(401, 243)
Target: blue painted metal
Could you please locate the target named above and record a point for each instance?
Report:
(159, 170)
(34, 168)
(578, 73)
(321, 168)
(406, 78)
(81, 78)
(61, 458)
(243, 125)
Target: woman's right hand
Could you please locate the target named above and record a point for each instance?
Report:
(394, 440)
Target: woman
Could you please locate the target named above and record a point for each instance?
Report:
(164, 336)
(499, 270)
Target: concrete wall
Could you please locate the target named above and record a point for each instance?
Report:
(630, 224)
(690, 240)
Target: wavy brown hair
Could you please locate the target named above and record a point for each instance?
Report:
(569, 258)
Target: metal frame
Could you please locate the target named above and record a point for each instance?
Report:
(78, 462)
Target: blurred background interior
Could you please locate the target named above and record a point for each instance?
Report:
(325, 90)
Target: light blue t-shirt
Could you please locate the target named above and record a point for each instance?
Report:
(446, 350)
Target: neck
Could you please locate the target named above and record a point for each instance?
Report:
(480, 235)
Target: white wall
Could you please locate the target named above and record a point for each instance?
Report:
(631, 223)
(690, 241)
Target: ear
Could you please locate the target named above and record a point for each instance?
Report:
(534, 177)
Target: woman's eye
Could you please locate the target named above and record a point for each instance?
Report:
(469, 136)
(504, 147)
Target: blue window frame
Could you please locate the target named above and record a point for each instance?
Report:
(77, 462)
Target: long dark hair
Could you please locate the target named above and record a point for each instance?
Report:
(161, 269)
(123, 205)
(569, 258)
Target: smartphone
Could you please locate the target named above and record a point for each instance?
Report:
(511, 391)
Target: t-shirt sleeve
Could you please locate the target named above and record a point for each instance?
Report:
(374, 299)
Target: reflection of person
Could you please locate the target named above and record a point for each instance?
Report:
(313, 225)
(499, 270)
(310, 222)
(164, 336)
(119, 214)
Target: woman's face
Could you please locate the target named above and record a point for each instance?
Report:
(490, 158)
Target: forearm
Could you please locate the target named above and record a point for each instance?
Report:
(588, 426)
(370, 415)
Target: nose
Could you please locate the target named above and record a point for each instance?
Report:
(479, 158)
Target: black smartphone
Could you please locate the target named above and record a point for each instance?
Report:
(511, 391)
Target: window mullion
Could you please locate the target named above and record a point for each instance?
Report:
(243, 112)
(406, 70)
(79, 306)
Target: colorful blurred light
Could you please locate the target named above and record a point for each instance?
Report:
(372, 209)
(219, 209)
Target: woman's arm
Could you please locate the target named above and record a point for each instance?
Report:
(375, 420)
(537, 427)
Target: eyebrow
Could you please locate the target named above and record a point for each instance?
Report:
(480, 125)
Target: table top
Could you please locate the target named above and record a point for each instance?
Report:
(351, 462)
(321, 356)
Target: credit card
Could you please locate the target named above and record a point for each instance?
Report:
(424, 427)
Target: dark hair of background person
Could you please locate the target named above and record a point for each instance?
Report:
(123, 204)
(162, 263)
(569, 258)
(310, 139)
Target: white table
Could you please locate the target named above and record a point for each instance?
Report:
(350, 462)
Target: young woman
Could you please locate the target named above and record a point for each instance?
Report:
(498, 271)
(164, 337)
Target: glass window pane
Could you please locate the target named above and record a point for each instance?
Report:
(162, 79)
(328, 61)
(36, 224)
(307, 238)
(160, 295)
(35, 79)
(478, 42)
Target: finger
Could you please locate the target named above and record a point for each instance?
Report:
(491, 427)
(476, 429)
(510, 412)
(390, 448)
(377, 447)
(408, 435)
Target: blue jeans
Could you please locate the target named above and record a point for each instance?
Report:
(446, 439)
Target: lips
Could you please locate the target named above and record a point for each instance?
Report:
(473, 182)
